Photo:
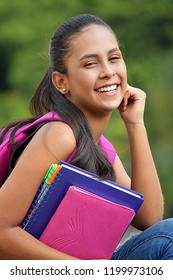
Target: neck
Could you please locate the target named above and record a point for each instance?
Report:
(98, 125)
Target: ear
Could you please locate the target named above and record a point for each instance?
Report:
(59, 81)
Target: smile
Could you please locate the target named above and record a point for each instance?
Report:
(107, 89)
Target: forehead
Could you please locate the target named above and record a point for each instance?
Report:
(93, 38)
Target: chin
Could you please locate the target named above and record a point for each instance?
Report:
(112, 107)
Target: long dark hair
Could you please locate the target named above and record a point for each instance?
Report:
(47, 98)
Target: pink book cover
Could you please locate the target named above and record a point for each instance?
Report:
(86, 225)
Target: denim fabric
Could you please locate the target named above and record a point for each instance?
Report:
(154, 243)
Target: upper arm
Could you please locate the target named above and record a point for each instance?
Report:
(122, 177)
(53, 142)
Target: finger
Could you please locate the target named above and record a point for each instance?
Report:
(123, 105)
(128, 87)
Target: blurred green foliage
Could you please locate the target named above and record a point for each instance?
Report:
(144, 31)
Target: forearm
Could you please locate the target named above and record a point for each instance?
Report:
(144, 176)
(16, 243)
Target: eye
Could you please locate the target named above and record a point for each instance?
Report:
(114, 57)
(90, 64)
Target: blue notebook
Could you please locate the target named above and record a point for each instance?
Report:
(43, 209)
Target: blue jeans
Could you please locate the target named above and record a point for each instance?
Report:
(154, 243)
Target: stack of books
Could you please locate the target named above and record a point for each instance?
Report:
(78, 214)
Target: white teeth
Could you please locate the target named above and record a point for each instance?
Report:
(109, 88)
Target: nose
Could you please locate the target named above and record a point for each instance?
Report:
(107, 71)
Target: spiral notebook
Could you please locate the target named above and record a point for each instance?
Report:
(44, 191)
(55, 185)
(86, 225)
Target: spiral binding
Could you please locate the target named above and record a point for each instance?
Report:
(42, 195)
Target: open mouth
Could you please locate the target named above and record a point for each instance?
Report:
(107, 89)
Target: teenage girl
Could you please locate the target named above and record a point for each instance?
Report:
(85, 83)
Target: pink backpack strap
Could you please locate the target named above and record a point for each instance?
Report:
(108, 149)
(50, 116)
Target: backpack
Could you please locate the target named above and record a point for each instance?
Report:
(9, 153)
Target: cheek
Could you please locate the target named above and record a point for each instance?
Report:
(85, 81)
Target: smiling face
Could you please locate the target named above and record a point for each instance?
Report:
(96, 77)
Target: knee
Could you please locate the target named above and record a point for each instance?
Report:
(164, 226)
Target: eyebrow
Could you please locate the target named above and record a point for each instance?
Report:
(96, 55)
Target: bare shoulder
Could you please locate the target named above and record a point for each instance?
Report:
(56, 137)
(57, 129)
(52, 143)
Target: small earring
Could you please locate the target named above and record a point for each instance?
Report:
(64, 89)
